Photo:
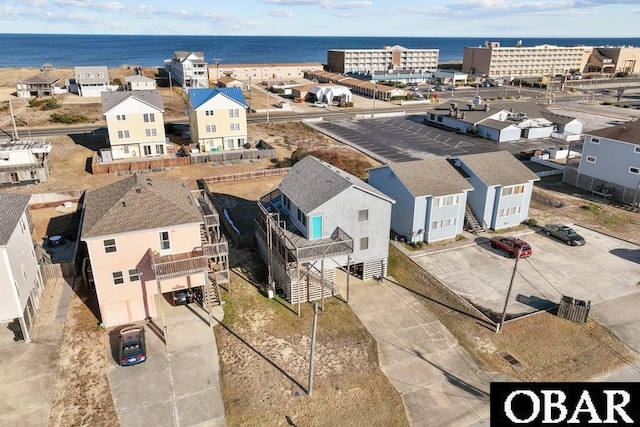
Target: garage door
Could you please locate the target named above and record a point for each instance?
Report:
(115, 314)
(137, 310)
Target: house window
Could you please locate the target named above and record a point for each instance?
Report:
(591, 159)
(595, 140)
(23, 227)
(302, 217)
(364, 243)
(126, 149)
(234, 112)
(287, 202)
(234, 126)
(636, 149)
(211, 128)
(208, 113)
(432, 116)
(121, 117)
(134, 275)
(118, 278)
(450, 222)
(517, 189)
(634, 170)
(147, 150)
(164, 240)
(437, 224)
(440, 119)
(123, 134)
(150, 132)
(109, 245)
(149, 117)
(160, 149)
(363, 215)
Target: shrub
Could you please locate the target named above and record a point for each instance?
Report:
(50, 104)
(69, 118)
(607, 103)
(532, 222)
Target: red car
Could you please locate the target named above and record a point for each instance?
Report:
(511, 245)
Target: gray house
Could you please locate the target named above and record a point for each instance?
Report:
(318, 219)
(502, 188)
(610, 163)
(430, 195)
(20, 281)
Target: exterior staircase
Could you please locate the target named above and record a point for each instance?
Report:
(473, 224)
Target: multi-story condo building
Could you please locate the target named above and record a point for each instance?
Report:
(187, 69)
(494, 60)
(24, 161)
(385, 59)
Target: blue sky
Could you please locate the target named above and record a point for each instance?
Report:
(410, 18)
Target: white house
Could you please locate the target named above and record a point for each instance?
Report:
(20, 280)
(24, 161)
(430, 198)
(90, 80)
(331, 93)
(138, 82)
(188, 69)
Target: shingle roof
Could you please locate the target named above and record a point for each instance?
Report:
(137, 78)
(12, 206)
(431, 177)
(96, 70)
(557, 118)
(198, 96)
(138, 203)
(628, 132)
(149, 97)
(498, 168)
(43, 78)
(311, 183)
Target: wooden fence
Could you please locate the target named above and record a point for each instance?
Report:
(574, 309)
(138, 165)
(57, 271)
(227, 156)
(246, 175)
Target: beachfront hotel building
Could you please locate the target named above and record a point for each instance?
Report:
(385, 59)
(262, 72)
(494, 60)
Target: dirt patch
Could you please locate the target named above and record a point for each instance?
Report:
(81, 394)
(264, 360)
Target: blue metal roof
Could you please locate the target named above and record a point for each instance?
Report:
(198, 96)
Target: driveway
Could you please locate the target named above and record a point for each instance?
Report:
(439, 382)
(178, 384)
(603, 271)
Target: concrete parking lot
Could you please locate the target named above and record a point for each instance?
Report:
(178, 384)
(405, 138)
(603, 271)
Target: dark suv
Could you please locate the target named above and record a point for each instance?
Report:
(512, 245)
(182, 297)
(133, 348)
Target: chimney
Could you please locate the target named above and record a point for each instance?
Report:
(470, 106)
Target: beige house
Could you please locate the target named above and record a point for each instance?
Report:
(147, 237)
(226, 81)
(137, 82)
(135, 121)
(218, 119)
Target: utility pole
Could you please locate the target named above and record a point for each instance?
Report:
(373, 107)
(313, 347)
(506, 301)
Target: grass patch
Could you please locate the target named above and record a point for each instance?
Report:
(604, 216)
(550, 348)
(69, 118)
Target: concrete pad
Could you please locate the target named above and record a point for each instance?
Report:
(598, 271)
(181, 377)
(439, 382)
(622, 316)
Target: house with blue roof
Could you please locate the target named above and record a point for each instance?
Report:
(218, 119)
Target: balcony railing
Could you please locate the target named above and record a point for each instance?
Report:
(177, 265)
(216, 249)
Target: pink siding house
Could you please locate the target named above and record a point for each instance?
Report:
(147, 237)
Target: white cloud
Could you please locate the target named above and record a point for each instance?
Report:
(280, 13)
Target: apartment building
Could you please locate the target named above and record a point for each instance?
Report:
(262, 72)
(494, 60)
(387, 58)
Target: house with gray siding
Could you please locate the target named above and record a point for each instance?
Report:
(502, 188)
(319, 219)
(610, 163)
(20, 281)
(89, 80)
(430, 198)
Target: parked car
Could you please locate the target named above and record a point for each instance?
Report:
(321, 104)
(182, 297)
(564, 233)
(133, 349)
(512, 245)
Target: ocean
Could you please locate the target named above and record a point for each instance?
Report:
(34, 50)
